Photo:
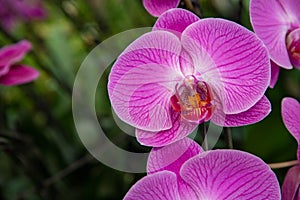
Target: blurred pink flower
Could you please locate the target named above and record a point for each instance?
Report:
(12, 73)
(188, 71)
(157, 7)
(182, 171)
(13, 11)
(291, 118)
(277, 24)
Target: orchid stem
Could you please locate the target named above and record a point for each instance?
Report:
(228, 135)
(203, 131)
(193, 7)
(189, 4)
(283, 164)
(65, 172)
(7, 35)
(240, 11)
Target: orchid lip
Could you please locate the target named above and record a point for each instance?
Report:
(194, 100)
(293, 46)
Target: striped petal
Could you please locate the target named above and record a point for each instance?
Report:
(271, 21)
(291, 183)
(230, 175)
(231, 59)
(290, 111)
(161, 185)
(178, 130)
(157, 7)
(275, 69)
(175, 20)
(143, 79)
(171, 158)
(255, 114)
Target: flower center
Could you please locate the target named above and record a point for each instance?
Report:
(194, 100)
(293, 46)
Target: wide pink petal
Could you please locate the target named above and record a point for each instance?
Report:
(255, 114)
(157, 7)
(19, 74)
(143, 79)
(231, 59)
(274, 74)
(161, 185)
(179, 130)
(230, 175)
(290, 111)
(171, 158)
(271, 21)
(175, 20)
(292, 8)
(291, 183)
(11, 54)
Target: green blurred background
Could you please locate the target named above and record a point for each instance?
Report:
(41, 154)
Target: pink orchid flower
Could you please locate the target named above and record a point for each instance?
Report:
(277, 24)
(188, 71)
(12, 11)
(157, 7)
(183, 171)
(291, 118)
(12, 73)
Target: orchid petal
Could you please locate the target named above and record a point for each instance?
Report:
(271, 20)
(274, 74)
(179, 130)
(171, 158)
(175, 20)
(19, 74)
(230, 175)
(11, 54)
(291, 117)
(161, 185)
(143, 80)
(231, 59)
(291, 183)
(255, 114)
(157, 7)
(292, 8)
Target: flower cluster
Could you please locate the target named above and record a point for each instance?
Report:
(183, 170)
(188, 71)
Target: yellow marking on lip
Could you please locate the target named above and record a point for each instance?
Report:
(194, 100)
